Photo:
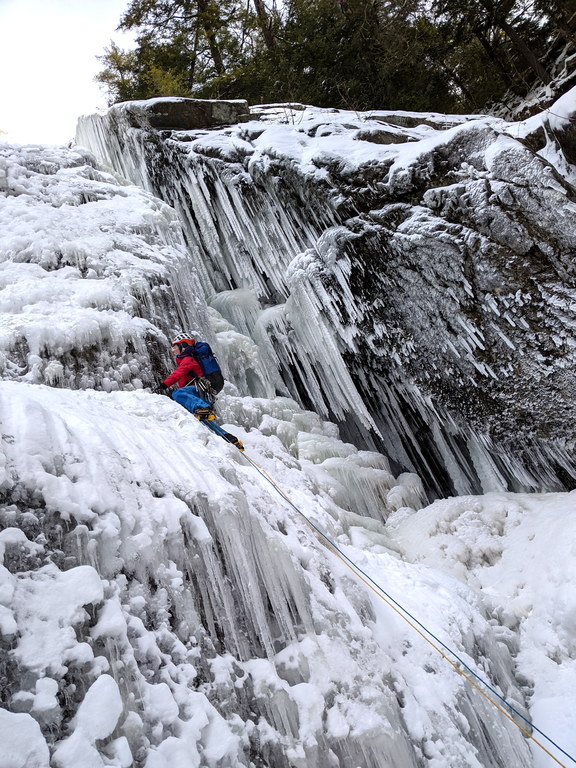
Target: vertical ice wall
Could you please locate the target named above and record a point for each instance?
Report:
(408, 275)
(245, 227)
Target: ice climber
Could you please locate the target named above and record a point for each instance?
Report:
(197, 376)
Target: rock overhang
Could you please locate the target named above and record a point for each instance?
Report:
(182, 114)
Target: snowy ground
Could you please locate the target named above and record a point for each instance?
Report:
(518, 552)
(112, 481)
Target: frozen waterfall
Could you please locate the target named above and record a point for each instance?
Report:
(160, 605)
(411, 276)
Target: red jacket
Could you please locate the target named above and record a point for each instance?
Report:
(188, 369)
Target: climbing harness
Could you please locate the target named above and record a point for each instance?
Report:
(459, 665)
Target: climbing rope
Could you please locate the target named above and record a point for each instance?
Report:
(459, 665)
(562, 117)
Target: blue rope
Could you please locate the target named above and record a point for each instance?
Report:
(406, 612)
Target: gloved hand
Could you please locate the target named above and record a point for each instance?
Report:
(161, 389)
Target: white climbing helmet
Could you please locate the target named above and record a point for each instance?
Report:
(183, 338)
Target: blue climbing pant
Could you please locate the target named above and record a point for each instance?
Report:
(188, 397)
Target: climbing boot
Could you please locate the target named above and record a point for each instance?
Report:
(205, 413)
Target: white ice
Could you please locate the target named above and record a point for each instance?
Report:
(161, 603)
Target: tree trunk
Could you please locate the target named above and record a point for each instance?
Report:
(521, 46)
(191, 72)
(210, 32)
(265, 24)
(495, 59)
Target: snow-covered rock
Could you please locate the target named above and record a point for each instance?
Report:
(411, 276)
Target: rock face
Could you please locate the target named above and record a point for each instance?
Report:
(411, 276)
(185, 114)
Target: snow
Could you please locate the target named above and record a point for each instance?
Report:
(96, 719)
(517, 551)
(161, 604)
(142, 486)
(104, 249)
(22, 742)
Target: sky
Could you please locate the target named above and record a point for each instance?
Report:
(48, 63)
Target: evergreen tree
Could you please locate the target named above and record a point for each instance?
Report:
(119, 76)
(511, 40)
(357, 54)
(442, 55)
